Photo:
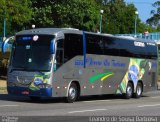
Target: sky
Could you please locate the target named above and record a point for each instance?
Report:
(144, 8)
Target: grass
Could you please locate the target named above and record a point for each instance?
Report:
(4, 56)
(3, 89)
(158, 78)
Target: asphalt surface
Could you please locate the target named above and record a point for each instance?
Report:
(56, 110)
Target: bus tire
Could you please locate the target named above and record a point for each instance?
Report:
(139, 90)
(72, 93)
(129, 91)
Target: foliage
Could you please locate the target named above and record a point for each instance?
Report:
(16, 12)
(82, 14)
(118, 17)
(155, 19)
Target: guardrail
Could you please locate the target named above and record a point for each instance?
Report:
(150, 36)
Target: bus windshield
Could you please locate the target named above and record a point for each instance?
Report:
(32, 53)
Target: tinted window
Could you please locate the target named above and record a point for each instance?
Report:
(60, 53)
(125, 48)
(152, 52)
(32, 54)
(139, 52)
(111, 46)
(73, 46)
(94, 44)
(128, 49)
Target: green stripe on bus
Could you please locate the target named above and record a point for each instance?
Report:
(96, 77)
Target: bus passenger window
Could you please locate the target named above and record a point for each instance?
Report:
(59, 53)
(59, 58)
(73, 46)
(94, 44)
(111, 46)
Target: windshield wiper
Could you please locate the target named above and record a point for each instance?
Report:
(18, 69)
(21, 68)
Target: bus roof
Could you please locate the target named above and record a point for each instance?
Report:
(62, 31)
(53, 31)
(49, 31)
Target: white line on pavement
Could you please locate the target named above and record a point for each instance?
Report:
(96, 101)
(155, 97)
(149, 105)
(8, 105)
(87, 111)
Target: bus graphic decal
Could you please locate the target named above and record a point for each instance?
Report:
(103, 76)
(40, 81)
(135, 72)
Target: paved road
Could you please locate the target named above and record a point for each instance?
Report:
(148, 105)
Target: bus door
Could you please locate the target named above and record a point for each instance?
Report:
(59, 59)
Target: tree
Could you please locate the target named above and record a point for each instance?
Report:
(155, 19)
(118, 16)
(104, 2)
(16, 12)
(2, 15)
(82, 14)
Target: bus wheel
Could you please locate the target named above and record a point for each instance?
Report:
(139, 90)
(129, 91)
(72, 93)
(33, 98)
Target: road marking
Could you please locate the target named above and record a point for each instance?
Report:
(149, 105)
(155, 97)
(8, 105)
(71, 112)
(96, 101)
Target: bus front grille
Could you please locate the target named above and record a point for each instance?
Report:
(22, 81)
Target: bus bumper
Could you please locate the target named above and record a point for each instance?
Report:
(24, 91)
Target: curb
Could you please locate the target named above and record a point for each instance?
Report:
(158, 85)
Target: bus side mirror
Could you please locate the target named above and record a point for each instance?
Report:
(52, 47)
(6, 43)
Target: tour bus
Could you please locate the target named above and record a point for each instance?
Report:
(69, 63)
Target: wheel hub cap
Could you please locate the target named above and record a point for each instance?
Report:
(129, 91)
(72, 93)
(139, 91)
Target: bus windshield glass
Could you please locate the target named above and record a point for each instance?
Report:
(32, 53)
